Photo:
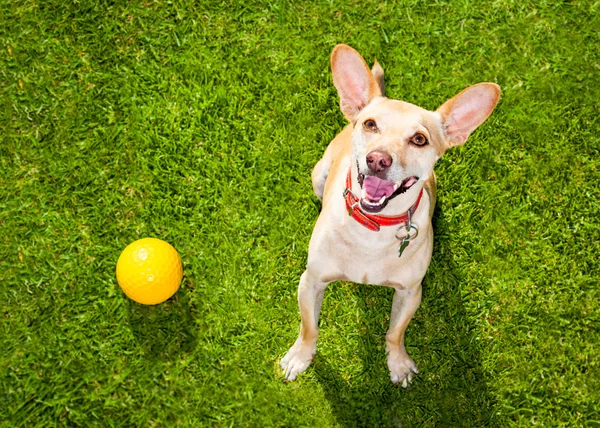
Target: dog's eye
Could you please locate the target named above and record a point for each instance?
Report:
(370, 125)
(419, 140)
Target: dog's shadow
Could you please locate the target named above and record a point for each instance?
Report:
(450, 389)
(164, 331)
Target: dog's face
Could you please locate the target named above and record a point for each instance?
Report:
(396, 144)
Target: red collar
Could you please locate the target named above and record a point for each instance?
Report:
(371, 221)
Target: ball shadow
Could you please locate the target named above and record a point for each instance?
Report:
(451, 389)
(167, 330)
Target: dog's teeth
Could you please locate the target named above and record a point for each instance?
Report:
(396, 185)
(374, 204)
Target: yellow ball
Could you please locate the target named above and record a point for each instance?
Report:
(149, 271)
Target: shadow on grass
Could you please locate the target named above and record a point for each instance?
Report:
(167, 330)
(449, 391)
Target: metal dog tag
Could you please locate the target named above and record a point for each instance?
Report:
(406, 238)
(403, 245)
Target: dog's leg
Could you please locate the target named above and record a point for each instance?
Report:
(310, 297)
(405, 303)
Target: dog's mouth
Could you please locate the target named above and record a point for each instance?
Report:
(376, 193)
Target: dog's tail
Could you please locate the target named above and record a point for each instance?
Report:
(377, 72)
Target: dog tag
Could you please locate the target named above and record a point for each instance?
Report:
(403, 246)
(405, 240)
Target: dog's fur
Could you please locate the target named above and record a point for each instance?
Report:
(343, 249)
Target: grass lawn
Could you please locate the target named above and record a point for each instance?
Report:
(199, 124)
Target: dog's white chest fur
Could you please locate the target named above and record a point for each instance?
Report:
(346, 250)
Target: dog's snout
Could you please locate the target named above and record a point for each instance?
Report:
(378, 161)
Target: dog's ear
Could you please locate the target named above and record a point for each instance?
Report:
(462, 114)
(354, 81)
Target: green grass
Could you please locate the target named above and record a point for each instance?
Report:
(199, 124)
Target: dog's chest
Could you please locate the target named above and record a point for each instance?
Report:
(366, 268)
(376, 261)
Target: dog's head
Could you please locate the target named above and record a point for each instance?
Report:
(396, 144)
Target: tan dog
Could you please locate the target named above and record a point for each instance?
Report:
(379, 170)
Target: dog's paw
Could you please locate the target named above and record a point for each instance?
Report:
(297, 359)
(402, 368)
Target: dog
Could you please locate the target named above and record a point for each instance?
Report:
(378, 192)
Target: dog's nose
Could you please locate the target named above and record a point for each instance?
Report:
(379, 161)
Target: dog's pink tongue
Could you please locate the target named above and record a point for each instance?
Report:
(376, 188)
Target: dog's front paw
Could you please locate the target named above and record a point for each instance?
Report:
(297, 359)
(402, 368)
